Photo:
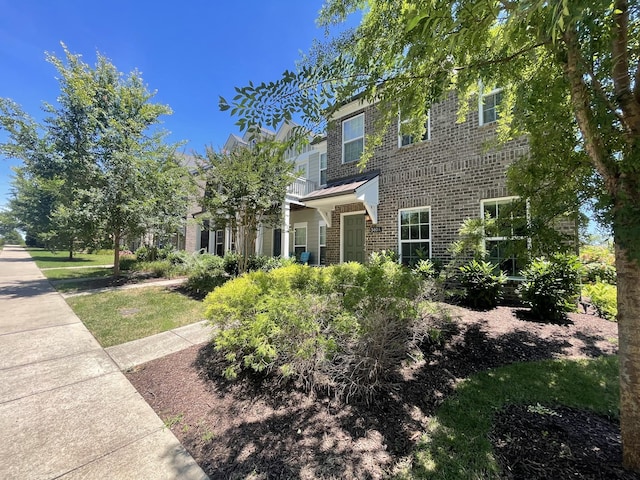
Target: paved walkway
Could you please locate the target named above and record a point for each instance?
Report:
(66, 410)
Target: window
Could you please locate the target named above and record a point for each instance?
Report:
(322, 244)
(489, 112)
(404, 140)
(352, 138)
(505, 233)
(301, 170)
(299, 238)
(414, 234)
(219, 247)
(323, 169)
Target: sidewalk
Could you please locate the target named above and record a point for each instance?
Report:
(66, 410)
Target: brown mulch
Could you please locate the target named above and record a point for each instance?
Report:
(262, 430)
(532, 441)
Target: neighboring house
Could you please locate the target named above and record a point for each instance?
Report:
(411, 198)
(302, 228)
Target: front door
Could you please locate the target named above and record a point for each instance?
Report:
(353, 238)
(277, 242)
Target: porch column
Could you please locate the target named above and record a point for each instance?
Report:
(285, 229)
(260, 239)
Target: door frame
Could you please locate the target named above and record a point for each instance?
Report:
(342, 215)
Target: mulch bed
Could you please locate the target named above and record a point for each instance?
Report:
(259, 429)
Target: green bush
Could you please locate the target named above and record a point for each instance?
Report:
(551, 287)
(598, 263)
(157, 268)
(604, 299)
(426, 269)
(344, 328)
(205, 272)
(127, 262)
(482, 287)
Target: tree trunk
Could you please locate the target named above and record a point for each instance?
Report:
(71, 250)
(628, 272)
(116, 255)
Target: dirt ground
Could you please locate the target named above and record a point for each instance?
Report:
(262, 430)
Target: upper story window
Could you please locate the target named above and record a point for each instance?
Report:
(506, 242)
(352, 138)
(404, 140)
(323, 169)
(302, 170)
(488, 108)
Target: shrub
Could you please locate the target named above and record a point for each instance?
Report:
(604, 299)
(345, 328)
(425, 268)
(230, 263)
(482, 287)
(127, 262)
(146, 253)
(157, 268)
(599, 264)
(551, 287)
(205, 272)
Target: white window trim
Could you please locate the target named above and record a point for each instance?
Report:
(306, 235)
(321, 224)
(320, 169)
(428, 132)
(481, 98)
(505, 200)
(215, 240)
(400, 241)
(353, 139)
(342, 215)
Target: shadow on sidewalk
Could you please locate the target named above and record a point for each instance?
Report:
(26, 288)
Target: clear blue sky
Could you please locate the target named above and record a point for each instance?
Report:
(189, 51)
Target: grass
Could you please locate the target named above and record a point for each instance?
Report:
(121, 316)
(456, 444)
(46, 259)
(77, 273)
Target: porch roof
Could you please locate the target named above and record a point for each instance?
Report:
(359, 188)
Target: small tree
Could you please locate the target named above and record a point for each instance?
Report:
(245, 189)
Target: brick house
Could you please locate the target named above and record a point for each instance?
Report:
(414, 193)
(411, 198)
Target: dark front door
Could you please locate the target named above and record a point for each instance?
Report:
(204, 236)
(353, 238)
(277, 242)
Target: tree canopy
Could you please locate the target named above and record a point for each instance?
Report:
(245, 188)
(97, 168)
(570, 74)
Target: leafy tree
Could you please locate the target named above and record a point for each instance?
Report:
(97, 166)
(570, 73)
(245, 188)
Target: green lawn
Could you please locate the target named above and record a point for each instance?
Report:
(46, 259)
(121, 316)
(456, 444)
(77, 273)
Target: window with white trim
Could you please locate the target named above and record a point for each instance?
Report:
(352, 138)
(322, 243)
(404, 139)
(488, 108)
(414, 234)
(299, 238)
(323, 169)
(506, 240)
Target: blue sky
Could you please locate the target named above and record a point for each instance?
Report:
(190, 52)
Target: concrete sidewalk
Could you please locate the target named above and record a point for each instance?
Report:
(66, 410)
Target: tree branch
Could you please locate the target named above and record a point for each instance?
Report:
(581, 103)
(620, 69)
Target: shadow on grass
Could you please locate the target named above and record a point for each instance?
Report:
(456, 445)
